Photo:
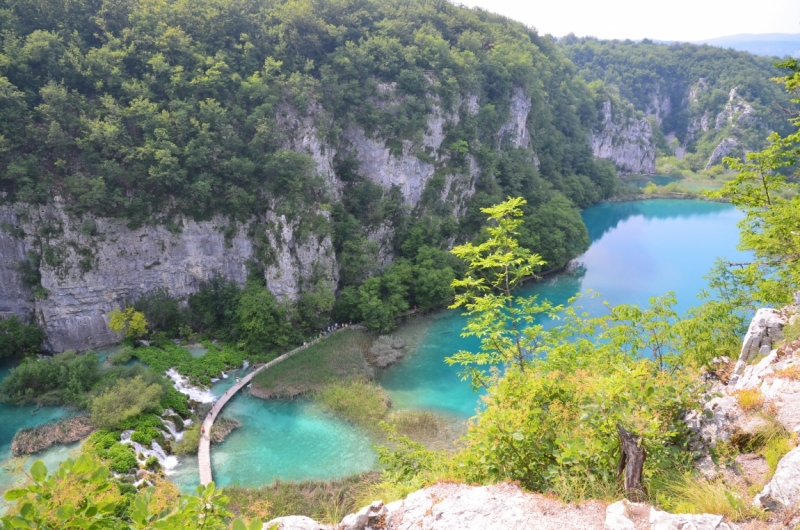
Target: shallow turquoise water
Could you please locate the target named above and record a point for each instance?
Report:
(638, 250)
(286, 439)
(13, 418)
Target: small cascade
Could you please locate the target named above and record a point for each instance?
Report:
(224, 375)
(173, 432)
(246, 364)
(201, 395)
(168, 462)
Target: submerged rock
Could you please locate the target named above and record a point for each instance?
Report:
(385, 351)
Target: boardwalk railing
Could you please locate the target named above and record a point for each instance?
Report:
(204, 450)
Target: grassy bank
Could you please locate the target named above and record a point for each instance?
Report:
(325, 501)
(340, 357)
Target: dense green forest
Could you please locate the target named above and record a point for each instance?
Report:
(679, 84)
(155, 110)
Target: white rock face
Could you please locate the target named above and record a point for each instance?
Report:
(763, 332)
(301, 134)
(294, 522)
(660, 106)
(619, 516)
(516, 129)
(626, 141)
(723, 149)
(667, 521)
(783, 491)
(737, 111)
(462, 507)
(125, 264)
(15, 297)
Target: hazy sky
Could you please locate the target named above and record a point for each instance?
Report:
(684, 20)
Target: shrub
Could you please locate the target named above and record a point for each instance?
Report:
(190, 441)
(105, 444)
(17, 338)
(127, 398)
(122, 356)
(161, 311)
(749, 399)
(775, 449)
(64, 378)
(687, 494)
(540, 427)
(790, 372)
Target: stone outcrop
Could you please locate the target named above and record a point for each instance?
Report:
(505, 506)
(624, 515)
(763, 332)
(499, 507)
(723, 149)
(624, 139)
(515, 130)
(16, 298)
(783, 490)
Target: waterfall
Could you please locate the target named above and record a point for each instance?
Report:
(246, 364)
(201, 395)
(168, 462)
(173, 431)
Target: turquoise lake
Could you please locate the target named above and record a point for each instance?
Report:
(638, 250)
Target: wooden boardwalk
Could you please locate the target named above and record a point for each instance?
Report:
(204, 450)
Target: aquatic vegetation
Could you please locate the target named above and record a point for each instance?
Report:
(200, 370)
(355, 401)
(339, 357)
(326, 501)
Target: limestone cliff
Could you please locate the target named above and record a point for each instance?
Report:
(624, 138)
(90, 265)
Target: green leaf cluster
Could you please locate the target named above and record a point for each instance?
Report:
(81, 494)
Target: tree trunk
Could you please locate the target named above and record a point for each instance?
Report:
(631, 461)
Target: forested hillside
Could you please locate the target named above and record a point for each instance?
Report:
(707, 102)
(310, 142)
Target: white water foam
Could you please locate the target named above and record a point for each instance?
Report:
(201, 395)
(168, 462)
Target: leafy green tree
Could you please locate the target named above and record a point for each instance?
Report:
(504, 323)
(263, 322)
(770, 226)
(62, 379)
(557, 395)
(82, 494)
(161, 312)
(17, 338)
(128, 322)
(381, 299)
(212, 309)
(125, 399)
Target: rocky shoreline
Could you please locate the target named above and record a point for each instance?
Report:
(35, 439)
